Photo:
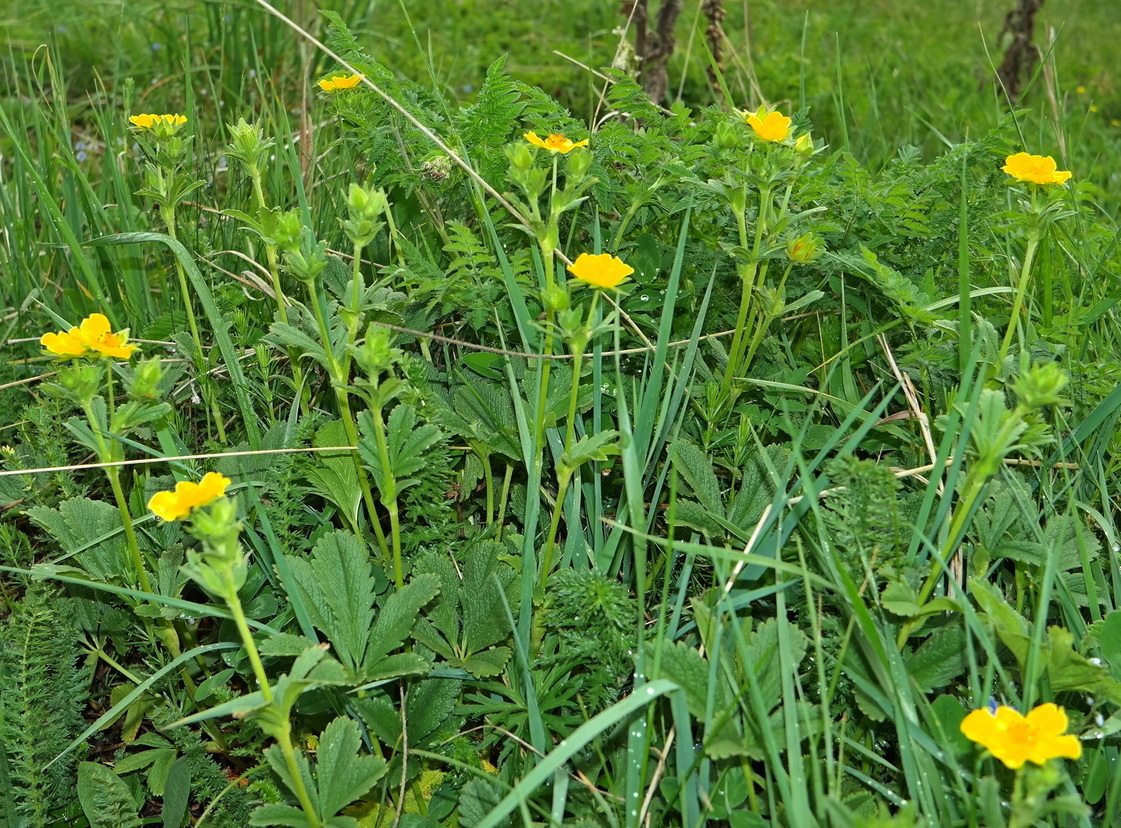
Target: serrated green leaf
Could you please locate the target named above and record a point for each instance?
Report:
(289, 337)
(406, 444)
(105, 798)
(334, 475)
(1069, 670)
(176, 793)
(337, 584)
(696, 470)
(279, 815)
(344, 773)
(592, 448)
(938, 660)
(686, 668)
(397, 617)
(487, 663)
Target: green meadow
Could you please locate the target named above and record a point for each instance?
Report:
(408, 421)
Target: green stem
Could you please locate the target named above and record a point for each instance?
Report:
(974, 486)
(749, 277)
(389, 495)
(168, 213)
(339, 381)
(1021, 290)
(284, 736)
(563, 478)
(114, 474)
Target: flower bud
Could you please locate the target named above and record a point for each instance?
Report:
(804, 145)
(1042, 385)
(287, 230)
(146, 378)
(555, 299)
(248, 144)
(726, 136)
(519, 155)
(579, 160)
(804, 249)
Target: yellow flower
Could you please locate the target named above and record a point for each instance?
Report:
(64, 343)
(335, 84)
(770, 126)
(602, 271)
(555, 142)
(1038, 169)
(1081, 90)
(93, 334)
(1093, 108)
(177, 504)
(98, 336)
(1015, 739)
(152, 121)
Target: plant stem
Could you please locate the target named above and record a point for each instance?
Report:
(168, 213)
(1021, 290)
(339, 381)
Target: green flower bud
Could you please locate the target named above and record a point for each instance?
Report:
(555, 299)
(286, 231)
(804, 145)
(1041, 385)
(309, 259)
(727, 136)
(146, 378)
(248, 144)
(519, 155)
(579, 161)
(805, 249)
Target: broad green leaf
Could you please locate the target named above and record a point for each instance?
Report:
(344, 772)
(695, 468)
(407, 443)
(1069, 670)
(90, 531)
(279, 815)
(939, 660)
(397, 617)
(176, 793)
(592, 448)
(337, 584)
(105, 798)
(686, 668)
(333, 474)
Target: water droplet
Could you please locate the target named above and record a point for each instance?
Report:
(644, 298)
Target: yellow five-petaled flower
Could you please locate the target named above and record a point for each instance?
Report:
(1014, 738)
(177, 504)
(1037, 169)
(335, 84)
(152, 121)
(94, 334)
(555, 142)
(770, 126)
(602, 271)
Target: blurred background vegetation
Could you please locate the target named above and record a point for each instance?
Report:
(876, 74)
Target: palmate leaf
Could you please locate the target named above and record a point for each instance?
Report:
(470, 617)
(344, 772)
(337, 585)
(696, 468)
(90, 531)
(394, 623)
(407, 444)
(334, 476)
